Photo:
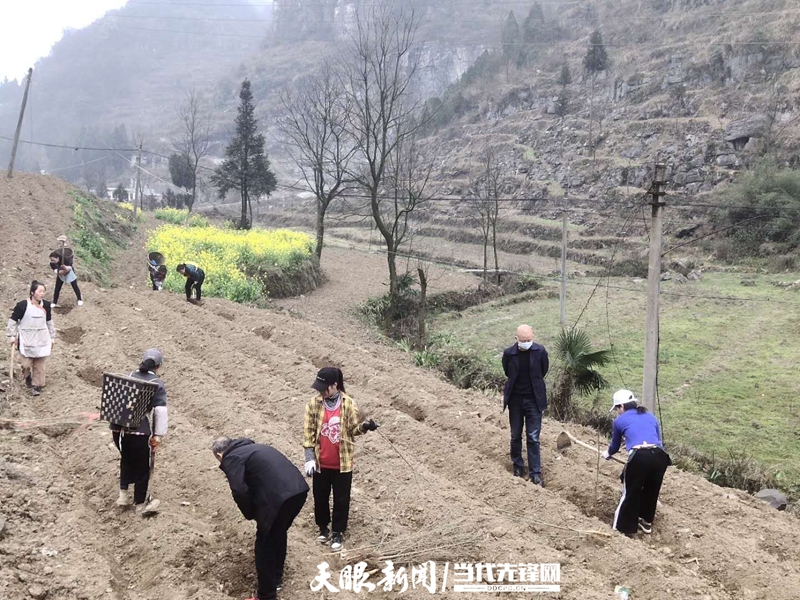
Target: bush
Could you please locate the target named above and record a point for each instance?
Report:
(527, 282)
(765, 207)
(98, 231)
(234, 261)
(179, 216)
(783, 262)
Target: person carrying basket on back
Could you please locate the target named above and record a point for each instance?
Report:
(137, 448)
(157, 270)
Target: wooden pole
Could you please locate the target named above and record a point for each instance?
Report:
(563, 298)
(653, 288)
(19, 125)
(137, 192)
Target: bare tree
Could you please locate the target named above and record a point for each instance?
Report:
(193, 140)
(486, 209)
(383, 121)
(315, 134)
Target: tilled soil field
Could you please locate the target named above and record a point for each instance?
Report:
(240, 371)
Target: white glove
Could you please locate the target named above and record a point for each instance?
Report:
(310, 467)
(606, 455)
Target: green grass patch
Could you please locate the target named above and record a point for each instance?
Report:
(181, 216)
(242, 266)
(727, 376)
(99, 230)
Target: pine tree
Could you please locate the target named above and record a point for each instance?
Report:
(565, 78)
(246, 165)
(510, 40)
(533, 31)
(562, 102)
(120, 194)
(596, 58)
(595, 61)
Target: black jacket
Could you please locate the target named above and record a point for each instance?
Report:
(540, 364)
(261, 479)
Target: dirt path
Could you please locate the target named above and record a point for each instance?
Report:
(353, 276)
(235, 370)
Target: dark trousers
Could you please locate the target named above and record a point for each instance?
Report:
(57, 291)
(271, 547)
(134, 463)
(525, 411)
(155, 282)
(197, 287)
(340, 483)
(641, 484)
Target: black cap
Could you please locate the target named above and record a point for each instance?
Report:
(326, 377)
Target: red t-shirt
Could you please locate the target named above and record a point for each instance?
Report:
(329, 438)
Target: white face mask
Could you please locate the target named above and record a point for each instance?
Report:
(525, 345)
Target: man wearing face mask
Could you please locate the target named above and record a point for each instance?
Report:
(525, 364)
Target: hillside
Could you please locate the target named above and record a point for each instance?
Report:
(57, 471)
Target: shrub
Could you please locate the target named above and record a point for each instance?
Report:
(234, 261)
(765, 207)
(783, 262)
(180, 216)
(527, 282)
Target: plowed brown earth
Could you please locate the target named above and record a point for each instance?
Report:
(235, 370)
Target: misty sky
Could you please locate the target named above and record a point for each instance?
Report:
(29, 28)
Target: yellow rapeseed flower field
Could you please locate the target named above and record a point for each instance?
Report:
(231, 259)
(181, 216)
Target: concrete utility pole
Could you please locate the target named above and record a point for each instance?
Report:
(137, 189)
(564, 261)
(653, 289)
(19, 125)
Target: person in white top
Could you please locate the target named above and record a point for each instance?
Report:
(32, 331)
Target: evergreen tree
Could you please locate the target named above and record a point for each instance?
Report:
(120, 194)
(246, 165)
(596, 59)
(562, 102)
(565, 78)
(533, 31)
(511, 40)
(180, 172)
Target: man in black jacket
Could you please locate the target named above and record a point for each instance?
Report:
(269, 489)
(525, 364)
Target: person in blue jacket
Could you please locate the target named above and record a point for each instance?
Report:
(194, 279)
(647, 463)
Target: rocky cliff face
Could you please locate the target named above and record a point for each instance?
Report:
(706, 92)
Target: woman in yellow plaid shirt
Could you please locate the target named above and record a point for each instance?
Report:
(331, 422)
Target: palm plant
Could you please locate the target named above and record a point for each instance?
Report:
(579, 371)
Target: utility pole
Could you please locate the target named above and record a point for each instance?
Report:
(19, 125)
(653, 289)
(564, 260)
(137, 190)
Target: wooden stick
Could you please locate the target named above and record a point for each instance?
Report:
(592, 448)
(400, 454)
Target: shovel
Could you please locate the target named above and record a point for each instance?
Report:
(566, 439)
